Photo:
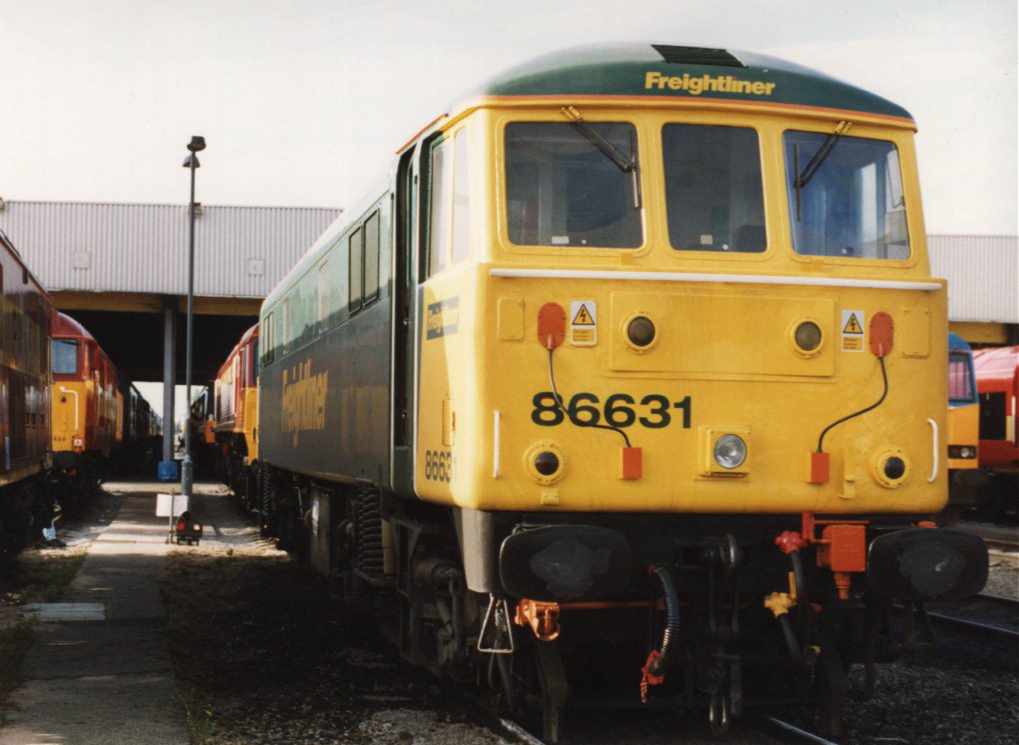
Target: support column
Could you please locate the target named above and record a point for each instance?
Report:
(168, 466)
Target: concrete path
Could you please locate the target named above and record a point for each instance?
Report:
(106, 682)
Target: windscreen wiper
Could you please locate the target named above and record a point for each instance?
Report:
(803, 178)
(606, 148)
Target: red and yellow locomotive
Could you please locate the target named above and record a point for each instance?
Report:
(235, 417)
(87, 406)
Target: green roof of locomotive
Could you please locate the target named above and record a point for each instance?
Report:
(622, 70)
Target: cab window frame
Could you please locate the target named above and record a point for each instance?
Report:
(763, 143)
(640, 147)
(860, 132)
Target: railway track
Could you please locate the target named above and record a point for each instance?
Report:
(999, 538)
(996, 614)
(789, 732)
(774, 727)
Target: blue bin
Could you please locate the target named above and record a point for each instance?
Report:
(167, 471)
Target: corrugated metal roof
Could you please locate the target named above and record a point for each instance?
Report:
(103, 247)
(246, 251)
(982, 273)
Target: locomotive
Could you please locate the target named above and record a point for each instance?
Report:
(627, 386)
(26, 504)
(965, 481)
(87, 409)
(997, 376)
(97, 417)
(235, 418)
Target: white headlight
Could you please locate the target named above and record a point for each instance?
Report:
(730, 451)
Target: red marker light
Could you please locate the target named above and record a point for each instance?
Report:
(882, 334)
(551, 325)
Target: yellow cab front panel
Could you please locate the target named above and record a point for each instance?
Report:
(721, 356)
(70, 415)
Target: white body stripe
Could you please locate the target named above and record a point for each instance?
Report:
(742, 279)
(496, 426)
(934, 453)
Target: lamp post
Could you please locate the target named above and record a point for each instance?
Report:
(187, 474)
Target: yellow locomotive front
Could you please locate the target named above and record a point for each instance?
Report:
(677, 332)
(710, 277)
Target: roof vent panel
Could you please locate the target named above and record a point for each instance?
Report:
(697, 56)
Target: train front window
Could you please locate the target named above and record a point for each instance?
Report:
(65, 357)
(713, 188)
(960, 380)
(845, 197)
(563, 189)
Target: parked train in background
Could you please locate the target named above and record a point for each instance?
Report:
(997, 376)
(97, 416)
(26, 505)
(964, 476)
(630, 328)
(235, 419)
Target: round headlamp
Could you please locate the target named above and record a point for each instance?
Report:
(730, 451)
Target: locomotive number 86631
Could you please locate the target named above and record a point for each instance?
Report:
(628, 382)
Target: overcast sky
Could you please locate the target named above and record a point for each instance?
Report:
(303, 103)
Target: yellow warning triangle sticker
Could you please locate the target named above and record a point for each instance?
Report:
(852, 325)
(583, 317)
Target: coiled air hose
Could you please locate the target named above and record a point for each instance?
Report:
(660, 663)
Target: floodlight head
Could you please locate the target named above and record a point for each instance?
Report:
(197, 143)
(191, 161)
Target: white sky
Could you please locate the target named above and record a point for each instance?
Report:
(302, 103)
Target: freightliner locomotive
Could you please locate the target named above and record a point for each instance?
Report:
(627, 385)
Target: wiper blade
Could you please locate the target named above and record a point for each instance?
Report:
(606, 148)
(818, 159)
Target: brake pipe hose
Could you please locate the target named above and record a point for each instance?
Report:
(653, 672)
(661, 662)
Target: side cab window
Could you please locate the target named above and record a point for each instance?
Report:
(449, 202)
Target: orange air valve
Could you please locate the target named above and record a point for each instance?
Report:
(843, 549)
(551, 325)
(882, 334)
(542, 617)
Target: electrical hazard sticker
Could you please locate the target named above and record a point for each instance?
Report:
(852, 330)
(583, 323)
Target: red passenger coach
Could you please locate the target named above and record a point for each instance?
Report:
(997, 373)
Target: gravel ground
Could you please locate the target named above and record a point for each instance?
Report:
(1003, 579)
(962, 689)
